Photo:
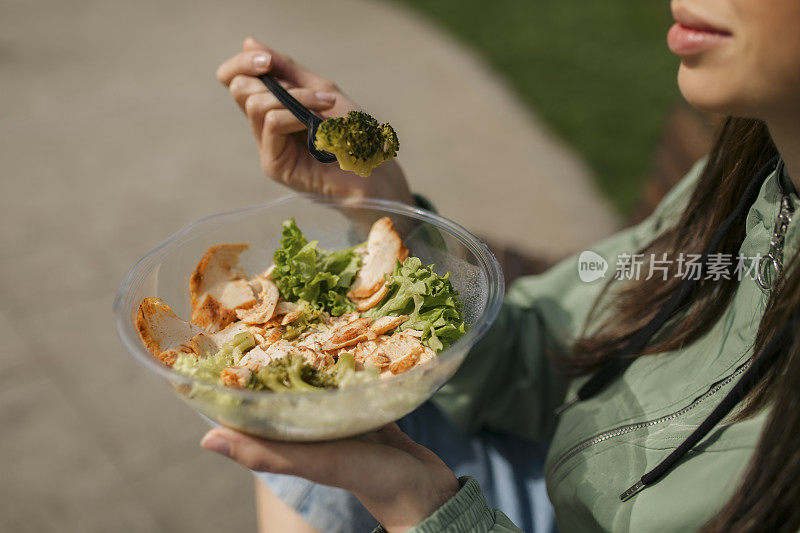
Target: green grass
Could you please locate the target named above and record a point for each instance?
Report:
(599, 73)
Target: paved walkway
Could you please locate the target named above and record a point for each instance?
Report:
(114, 134)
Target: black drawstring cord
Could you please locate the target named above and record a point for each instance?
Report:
(641, 338)
(746, 383)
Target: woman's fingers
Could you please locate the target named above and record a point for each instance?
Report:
(394, 486)
(250, 452)
(323, 462)
(250, 63)
(276, 160)
(258, 104)
(285, 68)
(243, 87)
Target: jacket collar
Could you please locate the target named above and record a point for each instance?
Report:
(760, 223)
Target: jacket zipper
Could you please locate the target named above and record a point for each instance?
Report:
(769, 267)
(623, 430)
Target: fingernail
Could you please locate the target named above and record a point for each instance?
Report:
(215, 443)
(261, 62)
(325, 97)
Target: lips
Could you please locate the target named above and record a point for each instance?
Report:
(692, 34)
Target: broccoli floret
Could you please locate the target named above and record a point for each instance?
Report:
(292, 373)
(359, 143)
(307, 318)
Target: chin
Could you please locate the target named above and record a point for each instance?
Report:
(705, 91)
(717, 91)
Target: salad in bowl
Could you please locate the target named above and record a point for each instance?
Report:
(288, 338)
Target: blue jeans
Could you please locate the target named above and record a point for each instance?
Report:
(509, 470)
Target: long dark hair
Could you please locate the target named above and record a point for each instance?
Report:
(770, 490)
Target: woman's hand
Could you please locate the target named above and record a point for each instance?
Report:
(399, 482)
(281, 137)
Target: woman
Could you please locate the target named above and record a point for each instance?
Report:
(683, 407)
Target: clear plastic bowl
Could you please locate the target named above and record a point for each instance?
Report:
(335, 223)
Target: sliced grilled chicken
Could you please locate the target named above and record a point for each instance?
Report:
(384, 249)
(163, 333)
(347, 334)
(235, 376)
(264, 310)
(218, 287)
(260, 356)
(405, 350)
(387, 323)
(370, 353)
(365, 304)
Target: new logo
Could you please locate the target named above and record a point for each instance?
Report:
(591, 266)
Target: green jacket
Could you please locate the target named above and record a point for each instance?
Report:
(602, 446)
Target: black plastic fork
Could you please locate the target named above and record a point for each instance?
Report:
(302, 113)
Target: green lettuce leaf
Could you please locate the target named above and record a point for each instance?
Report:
(321, 277)
(428, 299)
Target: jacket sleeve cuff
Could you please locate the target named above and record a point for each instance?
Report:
(465, 512)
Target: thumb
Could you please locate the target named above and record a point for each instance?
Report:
(328, 463)
(251, 44)
(250, 452)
